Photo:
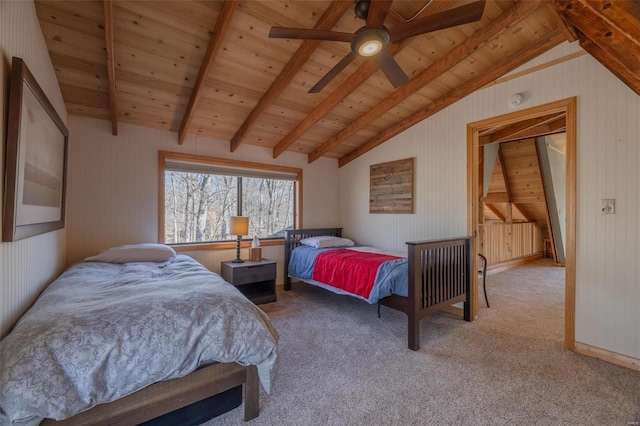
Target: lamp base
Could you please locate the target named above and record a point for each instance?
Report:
(237, 259)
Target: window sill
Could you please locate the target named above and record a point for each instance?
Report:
(226, 245)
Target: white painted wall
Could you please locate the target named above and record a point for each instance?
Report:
(113, 186)
(26, 266)
(558, 167)
(608, 159)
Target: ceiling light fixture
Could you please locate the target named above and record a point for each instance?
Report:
(370, 48)
(369, 41)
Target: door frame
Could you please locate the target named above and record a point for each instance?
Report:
(568, 106)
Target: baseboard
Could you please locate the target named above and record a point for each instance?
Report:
(508, 264)
(608, 356)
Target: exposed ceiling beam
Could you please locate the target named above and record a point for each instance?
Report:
(496, 197)
(505, 175)
(612, 64)
(603, 31)
(327, 21)
(111, 65)
(510, 63)
(481, 37)
(626, 14)
(496, 212)
(565, 28)
(223, 23)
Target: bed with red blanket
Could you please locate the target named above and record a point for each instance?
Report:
(430, 276)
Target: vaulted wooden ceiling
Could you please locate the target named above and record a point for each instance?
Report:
(209, 68)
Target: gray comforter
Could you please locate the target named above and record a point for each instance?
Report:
(102, 331)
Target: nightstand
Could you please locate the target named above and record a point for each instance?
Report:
(256, 280)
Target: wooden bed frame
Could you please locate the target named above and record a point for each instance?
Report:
(439, 275)
(164, 397)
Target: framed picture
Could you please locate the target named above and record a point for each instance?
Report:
(35, 162)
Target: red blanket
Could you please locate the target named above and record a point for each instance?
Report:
(349, 270)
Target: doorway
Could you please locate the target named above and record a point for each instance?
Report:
(567, 109)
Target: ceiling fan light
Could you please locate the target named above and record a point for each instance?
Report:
(369, 41)
(370, 47)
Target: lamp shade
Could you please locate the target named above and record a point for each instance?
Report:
(239, 225)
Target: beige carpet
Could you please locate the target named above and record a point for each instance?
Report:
(341, 365)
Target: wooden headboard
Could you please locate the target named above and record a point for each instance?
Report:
(292, 239)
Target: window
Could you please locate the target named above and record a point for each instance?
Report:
(199, 194)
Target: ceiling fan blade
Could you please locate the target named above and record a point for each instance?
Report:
(449, 18)
(391, 69)
(333, 72)
(378, 12)
(309, 34)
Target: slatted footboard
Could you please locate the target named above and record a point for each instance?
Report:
(439, 276)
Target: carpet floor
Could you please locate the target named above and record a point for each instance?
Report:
(342, 365)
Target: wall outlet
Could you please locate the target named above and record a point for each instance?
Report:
(608, 206)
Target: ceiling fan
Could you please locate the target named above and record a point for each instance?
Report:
(371, 39)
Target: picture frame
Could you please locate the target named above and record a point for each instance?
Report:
(35, 160)
(391, 187)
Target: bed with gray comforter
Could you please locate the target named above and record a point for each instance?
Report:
(102, 331)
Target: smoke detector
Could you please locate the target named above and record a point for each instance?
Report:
(516, 100)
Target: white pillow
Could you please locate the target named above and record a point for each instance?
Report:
(326, 241)
(134, 253)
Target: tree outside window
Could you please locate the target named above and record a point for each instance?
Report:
(198, 204)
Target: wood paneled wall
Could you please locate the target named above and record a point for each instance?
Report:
(608, 160)
(509, 241)
(26, 266)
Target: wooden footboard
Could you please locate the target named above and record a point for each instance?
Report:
(439, 276)
(164, 397)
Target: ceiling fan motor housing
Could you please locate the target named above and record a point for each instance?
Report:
(369, 41)
(362, 9)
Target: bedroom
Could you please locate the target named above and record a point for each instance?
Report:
(112, 191)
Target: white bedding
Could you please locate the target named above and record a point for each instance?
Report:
(102, 331)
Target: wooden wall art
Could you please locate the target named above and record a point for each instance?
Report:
(391, 187)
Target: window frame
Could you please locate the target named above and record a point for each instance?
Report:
(163, 156)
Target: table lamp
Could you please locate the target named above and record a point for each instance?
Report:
(239, 227)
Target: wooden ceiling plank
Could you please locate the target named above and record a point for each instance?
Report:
(111, 66)
(223, 23)
(510, 63)
(481, 37)
(496, 212)
(604, 32)
(522, 212)
(565, 28)
(326, 22)
(505, 175)
(612, 64)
